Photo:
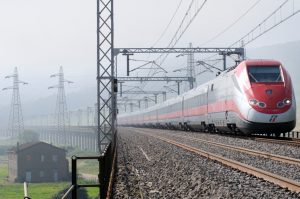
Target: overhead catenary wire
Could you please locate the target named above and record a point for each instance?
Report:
(231, 25)
(261, 27)
(178, 35)
(167, 27)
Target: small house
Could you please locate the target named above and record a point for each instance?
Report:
(37, 162)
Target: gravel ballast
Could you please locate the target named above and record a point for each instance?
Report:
(150, 168)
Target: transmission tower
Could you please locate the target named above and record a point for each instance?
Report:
(15, 124)
(61, 111)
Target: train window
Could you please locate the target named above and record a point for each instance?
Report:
(264, 74)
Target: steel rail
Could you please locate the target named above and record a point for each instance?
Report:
(280, 158)
(278, 141)
(276, 179)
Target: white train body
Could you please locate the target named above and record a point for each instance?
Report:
(254, 97)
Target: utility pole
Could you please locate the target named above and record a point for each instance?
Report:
(155, 98)
(96, 115)
(146, 102)
(79, 117)
(191, 68)
(16, 123)
(88, 111)
(61, 111)
(164, 95)
(178, 87)
(131, 106)
(121, 88)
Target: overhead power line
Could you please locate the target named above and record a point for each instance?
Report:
(178, 34)
(231, 25)
(167, 27)
(182, 29)
(264, 26)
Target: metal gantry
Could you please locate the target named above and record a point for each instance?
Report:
(190, 51)
(144, 92)
(106, 87)
(161, 79)
(16, 123)
(228, 51)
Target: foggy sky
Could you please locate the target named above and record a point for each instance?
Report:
(38, 36)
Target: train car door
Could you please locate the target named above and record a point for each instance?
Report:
(206, 104)
(182, 110)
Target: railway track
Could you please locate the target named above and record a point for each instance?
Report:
(290, 141)
(268, 176)
(270, 139)
(284, 159)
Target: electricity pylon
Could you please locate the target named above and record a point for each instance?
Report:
(61, 111)
(16, 123)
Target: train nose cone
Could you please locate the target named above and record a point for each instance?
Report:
(269, 91)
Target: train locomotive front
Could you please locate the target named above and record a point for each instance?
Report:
(269, 104)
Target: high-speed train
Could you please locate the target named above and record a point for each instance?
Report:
(256, 96)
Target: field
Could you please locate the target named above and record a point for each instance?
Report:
(42, 190)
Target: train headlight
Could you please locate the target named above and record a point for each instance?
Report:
(283, 103)
(287, 101)
(262, 104)
(280, 104)
(253, 102)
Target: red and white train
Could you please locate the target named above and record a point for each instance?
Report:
(254, 97)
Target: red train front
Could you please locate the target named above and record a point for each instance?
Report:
(269, 104)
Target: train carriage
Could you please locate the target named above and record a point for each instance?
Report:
(254, 97)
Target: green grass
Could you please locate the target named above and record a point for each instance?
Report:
(41, 190)
(92, 192)
(88, 167)
(3, 174)
(16, 190)
(84, 166)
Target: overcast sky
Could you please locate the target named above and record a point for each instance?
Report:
(38, 36)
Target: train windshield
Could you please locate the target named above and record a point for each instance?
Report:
(264, 74)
